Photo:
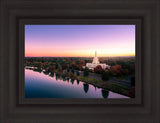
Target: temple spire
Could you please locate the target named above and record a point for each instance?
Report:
(95, 59)
(95, 53)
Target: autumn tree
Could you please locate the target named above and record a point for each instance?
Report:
(98, 69)
(51, 68)
(64, 66)
(82, 63)
(73, 64)
(125, 71)
(116, 70)
(101, 60)
(38, 65)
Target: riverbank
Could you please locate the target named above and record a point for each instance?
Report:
(117, 88)
(124, 90)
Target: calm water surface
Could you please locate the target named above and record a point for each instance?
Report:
(40, 85)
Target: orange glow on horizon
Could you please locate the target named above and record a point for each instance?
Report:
(80, 53)
(75, 55)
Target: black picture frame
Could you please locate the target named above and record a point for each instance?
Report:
(22, 22)
(15, 108)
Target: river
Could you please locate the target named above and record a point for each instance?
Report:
(41, 85)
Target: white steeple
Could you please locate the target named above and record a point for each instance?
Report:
(95, 53)
(95, 59)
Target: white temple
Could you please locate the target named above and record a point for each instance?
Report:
(96, 62)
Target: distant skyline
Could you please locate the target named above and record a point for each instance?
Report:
(79, 40)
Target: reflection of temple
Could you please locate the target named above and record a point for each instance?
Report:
(96, 62)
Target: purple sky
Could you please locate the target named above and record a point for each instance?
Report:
(79, 40)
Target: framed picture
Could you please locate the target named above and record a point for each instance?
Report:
(79, 61)
(88, 61)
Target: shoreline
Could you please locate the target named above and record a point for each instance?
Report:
(117, 88)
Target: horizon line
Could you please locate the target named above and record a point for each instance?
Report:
(79, 56)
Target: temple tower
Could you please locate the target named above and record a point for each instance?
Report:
(95, 53)
(95, 59)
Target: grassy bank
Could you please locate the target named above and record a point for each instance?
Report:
(124, 90)
(117, 88)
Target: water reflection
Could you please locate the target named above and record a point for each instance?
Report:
(85, 87)
(72, 81)
(105, 93)
(64, 78)
(45, 72)
(95, 87)
(77, 82)
(51, 88)
(51, 75)
(58, 77)
(35, 69)
(67, 79)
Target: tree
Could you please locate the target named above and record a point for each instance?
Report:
(38, 65)
(101, 60)
(45, 65)
(72, 71)
(73, 64)
(64, 66)
(116, 70)
(56, 65)
(68, 70)
(59, 70)
(72, 76)
(125, 71)
(82, 63)
(105, 75)
(51, 68)
(98, 69)
(86, 72)
(77, 73)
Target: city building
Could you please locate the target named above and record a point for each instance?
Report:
(95, 63)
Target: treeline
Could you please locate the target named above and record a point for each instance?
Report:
(119, 65)
(59, 62)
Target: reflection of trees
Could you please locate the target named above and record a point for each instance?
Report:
(58, 76)
(77, 82)
(72, 81)
(67, 79)
(94, 87)
(46, 72)
(85, 87)
(37, 70)
(105, 93)
(52, 75)
(64, 78)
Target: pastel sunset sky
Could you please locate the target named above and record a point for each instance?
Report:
(79, 40)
